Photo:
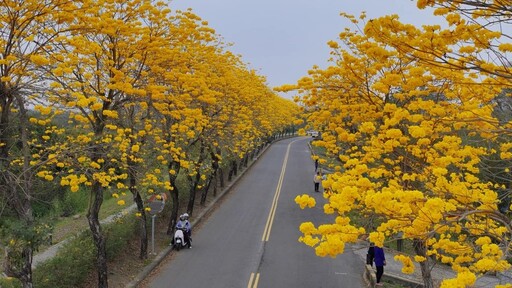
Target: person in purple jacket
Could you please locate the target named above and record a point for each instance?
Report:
(380, 262)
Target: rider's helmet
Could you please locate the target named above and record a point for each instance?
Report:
(182, 217)
(185, 215)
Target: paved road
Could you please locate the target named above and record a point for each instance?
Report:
(251, 239)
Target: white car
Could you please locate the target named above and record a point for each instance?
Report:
(312, 133)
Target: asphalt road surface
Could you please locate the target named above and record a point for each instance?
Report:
(251, 239)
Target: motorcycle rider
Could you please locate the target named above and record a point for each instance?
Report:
(184, 224)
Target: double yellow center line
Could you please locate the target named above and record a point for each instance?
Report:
(255, 277)
(272, 213)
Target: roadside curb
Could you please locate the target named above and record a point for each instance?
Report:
(161, 256)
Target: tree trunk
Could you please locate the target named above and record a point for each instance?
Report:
(133, 167)
(192, 193)
(97, 234)
(242, 162)
(204, 194)
(246, 160)
(233, 171)
(195, 181)
(215, 185)
(421, 250)
(221, 177)
(26, 277)
(174, 196)
(23, 273)
(19, 190)
(174, 210)
(143, 231)
(230, 174)
(5, 110)
(213, 175)
(143, 253)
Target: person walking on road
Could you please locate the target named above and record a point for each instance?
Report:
(316, 179)
(380, 262)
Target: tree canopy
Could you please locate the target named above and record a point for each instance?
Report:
(408, 113)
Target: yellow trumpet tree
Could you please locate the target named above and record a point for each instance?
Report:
(136, 124)
(97, 69)
(27, 30)
(410, 137)
(178, 80)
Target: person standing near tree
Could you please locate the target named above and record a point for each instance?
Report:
(316, 179)
(380, 262)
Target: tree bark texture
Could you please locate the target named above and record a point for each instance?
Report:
(175, 166)
(221, 177)
(206, 189)
(194, 181)
(421, 250)
(143, 230)
(192, 192)
(23, 273)
(18, 188)
(97, 234)
(213, 176)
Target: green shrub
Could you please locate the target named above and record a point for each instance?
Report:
(119, 233)
(70, 266)
(72, 203)
(184, 187)
(46, 193)
(42, 208)
(10, 283)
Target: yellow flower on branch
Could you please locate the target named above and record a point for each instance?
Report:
(39, 59)
(408, 266)
(305, 200)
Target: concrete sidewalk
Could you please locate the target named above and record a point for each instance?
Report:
(393, 269)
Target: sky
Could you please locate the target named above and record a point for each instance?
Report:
(283, 39)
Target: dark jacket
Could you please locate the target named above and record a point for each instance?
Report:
(380, 259)
(370, 255)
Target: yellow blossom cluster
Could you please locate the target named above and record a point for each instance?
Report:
(463, 280)
(408, 266)
(305, 201)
